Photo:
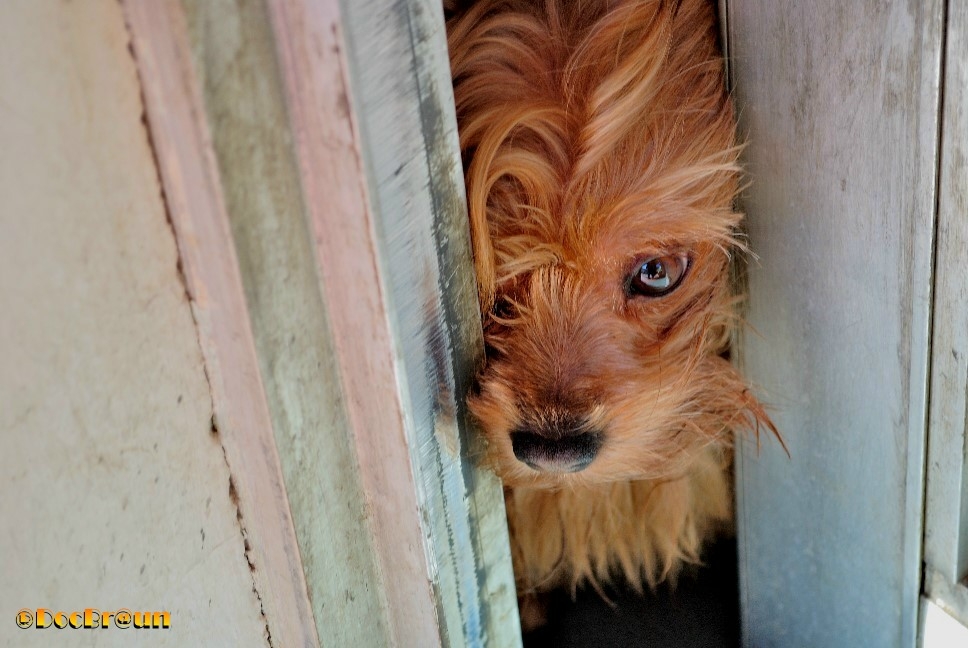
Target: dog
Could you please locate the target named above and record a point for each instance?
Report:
(601, 165)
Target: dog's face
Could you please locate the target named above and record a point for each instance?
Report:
(603, 364)
(601, 170)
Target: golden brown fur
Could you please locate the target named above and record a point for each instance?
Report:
(596, 134)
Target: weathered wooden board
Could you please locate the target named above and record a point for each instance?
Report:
(369, 97)
(946, 522)
(840, 104)
(309, 43)
(235, 60)
(193, 195)
(400, 77)
(946, 537)
(113, 491)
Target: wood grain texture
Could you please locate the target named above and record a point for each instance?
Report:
(946, 530)
(840, 105)
(234, 53)
(403, 96)
(194, 197)
(369, 98)
(310, 47)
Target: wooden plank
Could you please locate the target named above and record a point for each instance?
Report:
(397, 54)
(113, 491)
(242, 422)
(382, 181)
(840, 103)
(234, 55)
(310, 45)
(946, 524)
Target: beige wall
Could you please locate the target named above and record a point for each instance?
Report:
(113, 490)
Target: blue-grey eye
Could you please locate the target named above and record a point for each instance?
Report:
(659, 275)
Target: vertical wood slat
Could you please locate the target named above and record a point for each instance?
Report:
(234, 54)
(400, 72)
(193, 193)
(840, 104)
(311, 54)
(946, 532)
(370, 102)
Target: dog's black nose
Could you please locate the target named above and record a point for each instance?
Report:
(568, 453)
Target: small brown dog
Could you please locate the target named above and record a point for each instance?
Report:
(601, 164)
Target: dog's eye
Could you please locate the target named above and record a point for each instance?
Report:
(659, 275)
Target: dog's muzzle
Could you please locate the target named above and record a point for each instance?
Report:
(567, 451)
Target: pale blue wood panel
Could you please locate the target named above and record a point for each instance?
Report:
(840, 103)
(946, 543)
(946, 515)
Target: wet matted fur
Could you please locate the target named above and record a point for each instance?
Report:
(597, 135)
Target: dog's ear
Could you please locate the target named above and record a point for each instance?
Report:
(483, 250)
(483, 88)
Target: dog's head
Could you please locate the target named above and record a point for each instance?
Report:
(601, 168)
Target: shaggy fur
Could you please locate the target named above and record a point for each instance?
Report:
(597, 134)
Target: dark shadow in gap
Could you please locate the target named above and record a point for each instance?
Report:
(703, 610)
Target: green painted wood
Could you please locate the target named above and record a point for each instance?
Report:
(235, 60)
(413, 173)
